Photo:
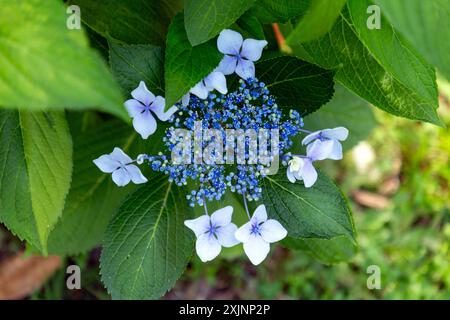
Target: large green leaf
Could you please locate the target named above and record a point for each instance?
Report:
(426, 25)
(295, 83)
(36, 162)
(44, 65)
(204, 19)
(358, 70)
(130, 21)
(279, 10)
(93, 197)
(185, 65)
(317, 21)
(133, 63)
(311, 215)
(147, 245)
(347, 110)
(395, 54)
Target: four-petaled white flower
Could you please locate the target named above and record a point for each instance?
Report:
(142, 105)
(213, 233)
(301, 168)
(334, 135)
(258, 233)
(215, 80)
(240, 54)
(121, 167)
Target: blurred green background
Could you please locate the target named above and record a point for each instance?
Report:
(397, 181)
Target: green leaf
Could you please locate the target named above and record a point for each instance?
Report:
(395, 54)
(425, 25)
(132, 63)
(131, 21)
(250, 25)
(147, 245)
(317, 21)
(359, 71)
(269, 11)
(93, 197)
(295, 83)
(347, 110)
(185, 65)
(44, 65)
(310, 214)
(36, 162)
(204, 19)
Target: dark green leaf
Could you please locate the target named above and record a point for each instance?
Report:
(250, 26)
(204, 19)
(147, 245)
(44, 65)
(36, 162)
(279, 10)
(295, 83)
(185, 65)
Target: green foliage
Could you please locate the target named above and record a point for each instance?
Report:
(312, 214)
(280, 10)
(251, 26)
(204, 19)
(147, 245)
(131, 21)
(185, 65)
(296, 84)
(346, 110)
(50, 66)
(358, 70)
(425, 25)
(36, 162)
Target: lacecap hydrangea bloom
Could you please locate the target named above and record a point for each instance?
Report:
(226, 116)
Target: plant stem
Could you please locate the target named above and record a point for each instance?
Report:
(246, 206)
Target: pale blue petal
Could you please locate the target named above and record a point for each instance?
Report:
(120, 156)
(185, 99)
(200, 90)
(133, 107)
(336, 151)
(158, 106)
(135, 174)
(166, 115)
(243, 233)
(216, 80)
(222, 217)
(144, 124)
(227, 65)
(245, 69)
(319, 150)
(142, 94)
(207, 247)
(311, 137)
(229, 42)
(199, 225)
(226, 237)
(290, 175)
(260, 214)
(308, 173)
(339, 133)
(121, 177)
(252, 49)
(272, 231)
(106, 163)
(256, 249)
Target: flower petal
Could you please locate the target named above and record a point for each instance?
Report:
(243, 233)
(336, 151)
(252, 49)
(272, 231)
(319, 150)
(144, 124)
(339, 133)
(135, 174)
(227, 65)
(308, 173)
(134, 107)
(226, 236)
(121, 177)
(142, 94)
(199, 225)
(245, 69)
(260, 214)
(166, 115)
(256, 249)
(200, 90)
(216, 80)
(229, 42)
(158, 106)
(207, 247)
(290, 175)
(185, 99)
(222, 217)
(106, 163)
(120, 156)
(311, 137)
